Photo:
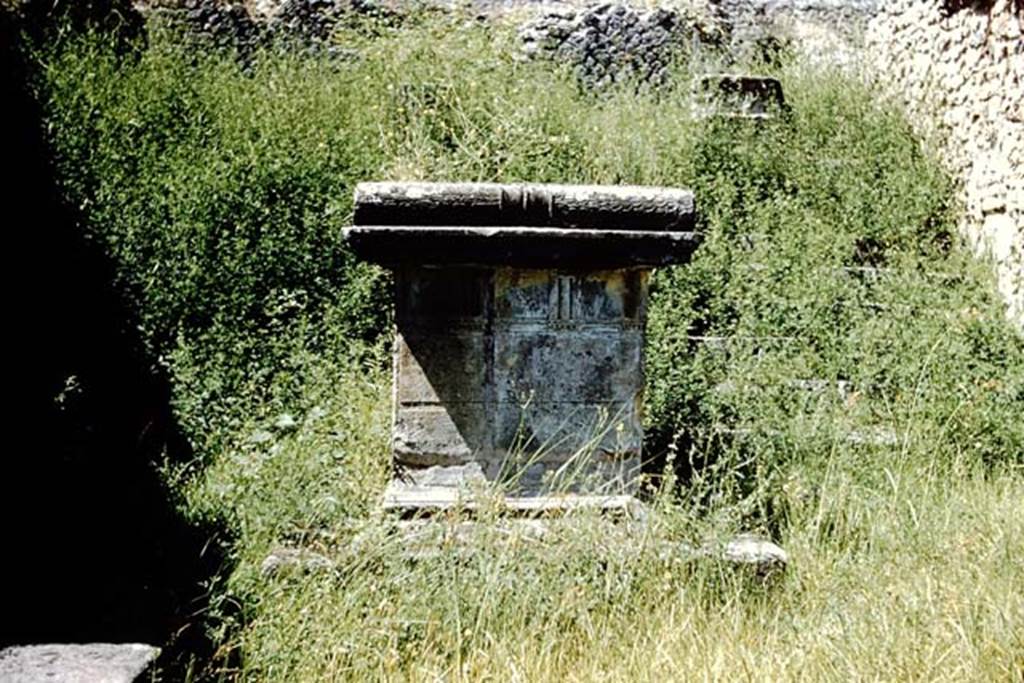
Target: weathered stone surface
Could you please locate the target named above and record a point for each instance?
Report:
(600, 207)
(467, 480)
(609, 42)
(526, 247)
(544, 528)
(533, 226)
(284, 559)
(296, 25)
(76, 663)
(519, 346)
(412, 498)
(518, 368)
(442, 433)
(738, 96)
(755, 551)
(824, 31)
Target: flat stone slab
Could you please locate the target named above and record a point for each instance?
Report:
(602, 207)
(523, 246)
(432, 499)
(550, 538)
(76, 663)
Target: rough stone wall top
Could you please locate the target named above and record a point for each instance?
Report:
(747, 18)
(297, 25)
(608, 42)
(611, 41)
(821, 30)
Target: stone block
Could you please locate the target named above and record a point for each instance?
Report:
(76, 663)
(560, 430)
(441, 434)
(442, 368)
(738, 96)
(519, 342)
(568, 366)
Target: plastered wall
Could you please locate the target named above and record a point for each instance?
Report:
(959, 68)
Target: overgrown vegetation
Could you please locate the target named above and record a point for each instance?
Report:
(831, 368)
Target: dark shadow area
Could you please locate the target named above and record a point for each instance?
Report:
(94, 548)
(951, 7)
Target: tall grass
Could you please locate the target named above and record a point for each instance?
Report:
(838, 305)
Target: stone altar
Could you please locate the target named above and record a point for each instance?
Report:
(519, 312)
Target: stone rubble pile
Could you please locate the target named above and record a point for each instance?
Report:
(609, 42)
(293, 24)
(960, 73)
(225, 25)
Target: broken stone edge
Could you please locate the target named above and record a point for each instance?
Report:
(427, 538)
(76, 662)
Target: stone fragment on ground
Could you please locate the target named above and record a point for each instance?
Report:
(284, 559)
(76, 663)
(738, 96)
(426, 538)
(751, 550)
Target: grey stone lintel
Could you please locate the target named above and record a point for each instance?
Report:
(599, 207)
(521, 246)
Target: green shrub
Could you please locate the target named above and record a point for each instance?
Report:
(829, 257)
(220, 199)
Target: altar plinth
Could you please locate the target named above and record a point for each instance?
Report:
(519, 343)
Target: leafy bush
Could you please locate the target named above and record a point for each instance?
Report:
(839, 312)
(221, 198)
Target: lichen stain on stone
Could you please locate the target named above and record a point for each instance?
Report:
(521, 294)
(614, 283)
(514, 278)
